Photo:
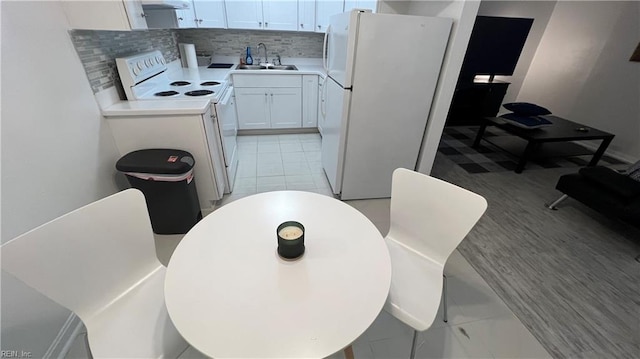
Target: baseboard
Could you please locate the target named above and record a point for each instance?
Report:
(278, 131)
(65, 338)
(611, 153)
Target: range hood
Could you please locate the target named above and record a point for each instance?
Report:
(166, 4)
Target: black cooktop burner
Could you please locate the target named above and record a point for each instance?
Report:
(199, 93)
(210, 83)
(180, 83)
(166, 93)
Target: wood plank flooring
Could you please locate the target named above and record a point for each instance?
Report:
(569, 275)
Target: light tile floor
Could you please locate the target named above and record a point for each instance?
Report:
(480, 324)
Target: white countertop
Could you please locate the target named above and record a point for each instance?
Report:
(155, 108)
(185, 107)
(305, 67)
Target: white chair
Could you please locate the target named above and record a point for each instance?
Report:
(100, 262)
(429, 218)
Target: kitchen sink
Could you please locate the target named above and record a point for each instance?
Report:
(268, 67)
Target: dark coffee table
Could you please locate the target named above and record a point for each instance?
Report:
(561, 131)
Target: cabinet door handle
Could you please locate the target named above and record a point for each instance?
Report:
(260, 23)
(180, 19)
(319, 26)
(143, 14)
(302, 26)
(266, 24)
(272, 98)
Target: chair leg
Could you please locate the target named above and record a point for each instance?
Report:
(553, 204)
(86, 343)
(444, 298)
(413, 344)
(348, 352)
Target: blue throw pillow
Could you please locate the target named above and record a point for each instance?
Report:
(527, 122)
(526, 109)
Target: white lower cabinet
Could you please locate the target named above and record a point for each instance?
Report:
(309, 101)
(268, 101)
(252, 108)
(321, 104)
(285, 107)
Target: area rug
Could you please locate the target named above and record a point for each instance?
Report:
(456, 145)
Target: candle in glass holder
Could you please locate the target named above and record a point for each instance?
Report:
(290, 232)
(290, 239)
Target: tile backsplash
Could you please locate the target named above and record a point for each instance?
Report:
(98, 50)
(229, 42)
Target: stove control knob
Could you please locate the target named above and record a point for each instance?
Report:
(162, 60)
(158, 59)
(140, 64)
(136, 71)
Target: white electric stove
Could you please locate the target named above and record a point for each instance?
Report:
(145, 76)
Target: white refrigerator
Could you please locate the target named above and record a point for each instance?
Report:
(382, 71)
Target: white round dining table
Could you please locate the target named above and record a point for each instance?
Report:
(230, 294)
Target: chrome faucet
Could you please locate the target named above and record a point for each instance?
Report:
(266, 58)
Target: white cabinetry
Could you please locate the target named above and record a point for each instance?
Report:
(309, 101)
(324, 10)
(280, 15)
(259, 14)
(253, 108)
(306, 15)
(322, 110)
(186, 17)
(285, 108)
(360, 4)
(192, 133)
(105, 15)
(209, 13)
(268, 101)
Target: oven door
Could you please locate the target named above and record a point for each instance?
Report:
(228, 122)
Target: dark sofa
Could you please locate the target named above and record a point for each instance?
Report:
(605, 190)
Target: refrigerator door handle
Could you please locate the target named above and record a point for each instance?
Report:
(325, 61)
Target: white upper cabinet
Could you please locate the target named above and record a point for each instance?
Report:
(360, 4)
(306, 15)
(262, 14)
(244, 14)
(209, 13)
(280, 15)
(186, 18)
(105, 15)
(324, 10)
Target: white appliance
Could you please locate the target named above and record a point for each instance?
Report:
(144, 77)
(382, 71)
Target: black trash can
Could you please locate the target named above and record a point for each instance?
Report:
(165, 176)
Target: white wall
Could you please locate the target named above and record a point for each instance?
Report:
(57, 152)
(463, 14)
(582, 72)
(540, 12)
